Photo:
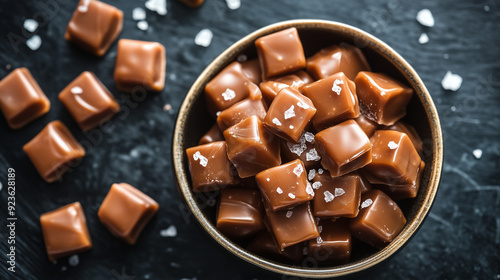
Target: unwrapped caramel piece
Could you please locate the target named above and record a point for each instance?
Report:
(336, 197)
(270, 89)
(403, 191)
(213, 135)
(280, 53)
(411, 132)
(379, 220)
(125, 211)
(21, 99)
(94, 26)
(333, 244)
(89, 101)
(367, 125)
(381, 98)
(264, 244)
(251, 147)
(53, 150)
(210, 168)
(65, 231)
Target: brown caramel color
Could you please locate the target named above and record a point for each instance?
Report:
(304, 150)
(292, 226)
(140, 65)
(367, 125)
(89, 101)
(240, 111)
(251, 147)
(53, 150)
(379, 220)
(411, 132)
(240, 213)
(343, 148)
(94, 26)
(365, 185)
(334, 244)
(336, 197)
(125, 211)
(227, 88)
(264, 244)
(335, 99)
(289, 114)
(285, 186)
(403, 191)
(334, 59)
(65, 231)
(192, 3)
(395, 160)
(382, 99)
(210, 168)
(270, 89)
(280, 53)
(213, 135)
(251, 69)
(21, 99)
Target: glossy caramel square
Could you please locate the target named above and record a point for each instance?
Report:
(21, 98)
(53, 151)
(125, 211)
(333, 246)
(89, 101)
(336, 197)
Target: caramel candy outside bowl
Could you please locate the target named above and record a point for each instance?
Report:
(193, 121)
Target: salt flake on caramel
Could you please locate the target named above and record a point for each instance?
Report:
(203, 160)
(336, 88)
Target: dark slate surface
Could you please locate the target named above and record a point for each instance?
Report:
(459, 240)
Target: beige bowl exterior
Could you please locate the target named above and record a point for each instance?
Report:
(430, 128)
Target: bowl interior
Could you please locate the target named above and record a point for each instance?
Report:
(194, 120)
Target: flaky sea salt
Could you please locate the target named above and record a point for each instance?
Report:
(320, 229)
(204, 38)
(143, 25)
(317, 185)
(487, 9)
(309, 137)
(76, 90)
(320, 171)
(290, 113)
(289, 213)
(309, 189)
(167, 107)
(138, 14)
(279, 190)
(336, 88)
(478, 153)
(1, 186)
(328, 196)
(276, 122)
(203, 160)
(312, 155)
(423, 39)
(242, 58)
(84, 7)
(319, 240)
(229, 94)
(298, 170)
(291, 195)
(233, 4)
(339, 192)
(74, 260)
(290, 126)
(392, 145)
(30, 24)
(366, 203)
(298, 148)
(171, 231)
(267, 179)
(311, 174)
(34, 42)
(159, 6)
(303, 105)
(425, 18)
(451, 81)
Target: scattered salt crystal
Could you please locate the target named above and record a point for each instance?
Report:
(171, 231)
(34, 42)
(267, 179)
(242, 58)
(204, 38)
(320, 171)
(423, 39)
(167, 107)
(84, 7)
(298, 148)
(446, 56)
(291, 195)
(233, 4)
(486, 8)
(392, 145)
(289, 213)
(320, 229)
(302, 105)
(451, 81)
(279, 190)
(8, 66)
(174, 264)
(289, 113)
(147, 276)
(339, 192)
(218, 113)
(305, 250)
(309, 189)
(203, 160)
(1, 186)
(229, 94)
(31, 25)
(290, 126)
(276, 122)
(76, 90)
(172, 76)
(298, 170)
(311, 174)
(309, 137)
(453, 108)
(159, 6)
(328, 196)
(319, 240)
(138, 14)
(366, 203)
(312, 155)
(425, 18)
(74, 260)
(143, 25)
(478, 153)
(317, 185)
(336, 87)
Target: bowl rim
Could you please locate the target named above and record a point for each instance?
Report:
(382, 49)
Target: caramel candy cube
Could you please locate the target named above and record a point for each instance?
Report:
(334, 59)
(403, 191)
(395, 160)
(304, 150)
(285, 186)
(251, 69)
(343, 148)
(21, 99)
(210, 168)
(213, 135)
(379, 220)
(240, 213)
(53, 150)
(289, 114)
(270, 89)
(65, 231)
(411, 132)
(367, 125)
(125, 211)
(226, 89)
(336, 197)
(264, 244)
(89, 101)
(251, 147)
(333, 244)
(280, 53)
(140, 65)
(382, 99)
(94, 26)
(335, 99)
